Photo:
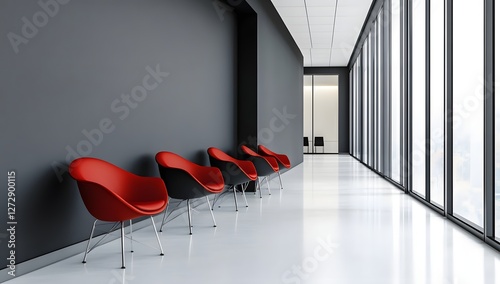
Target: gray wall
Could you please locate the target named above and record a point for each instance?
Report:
(75, 72)
(280, 85)
(344, 110)
(71, 74)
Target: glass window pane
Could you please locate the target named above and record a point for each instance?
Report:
(365, 102)
(418, 97)
(326, 109)
(369, 80)
(308, 110)
(359, 106)
(497, 122)
(395, 90)
(380, 74)
(437, 102)
(468, 138)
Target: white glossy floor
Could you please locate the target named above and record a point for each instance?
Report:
(335, 222)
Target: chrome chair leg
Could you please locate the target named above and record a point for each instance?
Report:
(243, 188)
(88, 244)
(189, 216)
(235, 200)
(213, 203)
(157, 237)
(268, 187)
(281, 184)
(259, 186)
(131, 238)
(211, 211)
(164, 217)
(123, 244)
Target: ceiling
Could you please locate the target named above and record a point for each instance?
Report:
(325, 30)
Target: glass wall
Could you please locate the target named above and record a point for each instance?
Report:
(321, 96)
(418, 97)
(308, 90)
(437, 113)
(364, 103)
(326, 112)
(421, 75)
(497, 124)
(371, 108)
(395, 25)
(468, 114)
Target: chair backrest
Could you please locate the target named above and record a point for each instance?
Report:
(319, 141)
(105, 189)
(265, 165)
(221, 155)
(99, 172)
(185, 179)
(249, 151)
(306, 141)
(172, 160)
(282, 158)
(245, 169)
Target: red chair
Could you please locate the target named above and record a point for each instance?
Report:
(265, 166)
(235, 172)
(112, 194)
(186, 180)
(283, 161)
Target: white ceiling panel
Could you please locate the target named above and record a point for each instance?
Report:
(321, 20)
(295, 21)
(321, 11)
(313, 24)
(278, 3)
(293, 11)
(312, 3)
(321, 28)
(298, 28)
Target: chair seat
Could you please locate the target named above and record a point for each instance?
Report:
(214, 185)
(149, 206)
(282, 158)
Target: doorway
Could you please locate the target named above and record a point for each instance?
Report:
(321, 114)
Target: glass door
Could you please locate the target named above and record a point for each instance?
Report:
(321, 96)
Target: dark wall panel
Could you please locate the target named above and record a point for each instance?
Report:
(344, 110)
(118, 80)
(280, 84)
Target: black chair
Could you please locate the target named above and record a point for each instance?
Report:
(265, 166)
(235, 172)
(319, 142)
(306, 143)
(186, 180)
